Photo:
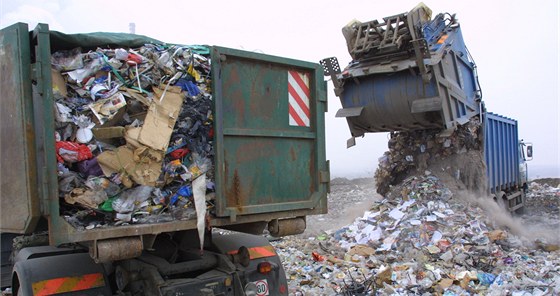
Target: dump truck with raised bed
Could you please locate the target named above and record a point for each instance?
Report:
(411, 72)
(187, 140)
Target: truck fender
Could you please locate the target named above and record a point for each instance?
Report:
(259, 250)
(72, 274)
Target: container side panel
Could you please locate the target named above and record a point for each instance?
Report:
(268, 118)
(501, 150)
(501, 154)
(509, 160)
(488, 156)
(492, 153)
(20, 207)
(265, 171)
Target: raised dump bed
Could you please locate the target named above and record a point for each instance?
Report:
(408, 72)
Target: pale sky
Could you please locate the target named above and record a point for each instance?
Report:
(515, 46)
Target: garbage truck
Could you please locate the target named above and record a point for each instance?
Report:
(263, 132)
(412, 72)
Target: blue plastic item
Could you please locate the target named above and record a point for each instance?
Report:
(486, 278)
(184, 191)
(188, 86)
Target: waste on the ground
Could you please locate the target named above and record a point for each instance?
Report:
(426, 240)
(134, 129)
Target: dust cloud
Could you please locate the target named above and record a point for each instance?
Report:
(530, 235)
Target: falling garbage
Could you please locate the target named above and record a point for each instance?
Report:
(139, 121)
(415, 151)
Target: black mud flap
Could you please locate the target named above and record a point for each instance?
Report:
(66, 274)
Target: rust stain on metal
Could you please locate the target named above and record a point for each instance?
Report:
(234, 195)
(293, 154)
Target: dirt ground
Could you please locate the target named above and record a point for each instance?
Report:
(347, 200)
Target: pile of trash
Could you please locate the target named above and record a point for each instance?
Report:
(411, 152)
(424, 240)
(542, 206)
(134, 129)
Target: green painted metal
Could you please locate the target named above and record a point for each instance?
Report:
(265, 164)
(279, 170)
(44, 101)
(20, 209)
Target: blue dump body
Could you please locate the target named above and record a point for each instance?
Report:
(428, 82)
(501, 152)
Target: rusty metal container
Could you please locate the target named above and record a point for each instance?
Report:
(269, 148)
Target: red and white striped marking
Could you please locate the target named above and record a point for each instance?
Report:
(298, 97)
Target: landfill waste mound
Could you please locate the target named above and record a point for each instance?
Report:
(427, 239)
(410, 152)
(134, 129)
(542, 211)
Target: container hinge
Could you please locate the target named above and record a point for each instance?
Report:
(325, 176)
(37, 77)
(323, 98)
